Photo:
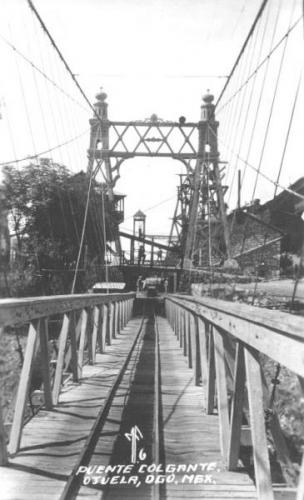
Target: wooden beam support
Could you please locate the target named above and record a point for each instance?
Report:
(257, 424)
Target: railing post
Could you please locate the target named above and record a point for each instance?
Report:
(96, 319)
(63, 336)
(222, 397)
(168, 305)
(3, 448)
(183, 326)
(114, 320)
(23, 387)
(202, 370)
(45, 363)
(191, 342)
(237, 408)
(83, 335)
(211, 372)
(120, 315)
(125, 312)
(74, 333)
(186, 333)
(257, 425)
(111, 323)
(105, 309)
(117, 329)
(300, 490)
(129, 309)
(175, 319)
(178, 330)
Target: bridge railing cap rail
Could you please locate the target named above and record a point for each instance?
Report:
(22, 310)
(278, 335)
(279, 321)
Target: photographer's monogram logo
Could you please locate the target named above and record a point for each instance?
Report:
(134, 436)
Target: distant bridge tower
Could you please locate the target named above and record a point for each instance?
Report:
(139, 230)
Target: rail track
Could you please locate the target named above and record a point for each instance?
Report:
(145, 344)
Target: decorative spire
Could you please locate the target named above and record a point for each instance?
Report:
(208, 98)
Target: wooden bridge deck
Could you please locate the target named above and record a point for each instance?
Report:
(52, 440)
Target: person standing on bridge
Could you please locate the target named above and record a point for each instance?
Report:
(141, 255)
(139, 284)
(159, 255)
(166, 284)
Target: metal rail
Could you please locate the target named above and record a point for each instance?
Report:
(223, 341)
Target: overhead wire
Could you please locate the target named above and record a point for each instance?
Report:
(251, 31)
(261, 64)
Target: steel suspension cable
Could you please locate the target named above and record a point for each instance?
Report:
(261, 64)
(59, 53)
(288, 133)
(251, 31)
(262, 174)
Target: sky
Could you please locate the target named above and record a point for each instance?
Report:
(150, 56)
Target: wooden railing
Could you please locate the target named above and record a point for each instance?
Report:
(223, 342)
(86, 322)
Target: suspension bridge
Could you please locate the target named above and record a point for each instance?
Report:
(152, 365)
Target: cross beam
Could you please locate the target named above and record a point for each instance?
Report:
(149, 242)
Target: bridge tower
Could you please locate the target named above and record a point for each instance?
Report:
(98, 152)
(207, 197)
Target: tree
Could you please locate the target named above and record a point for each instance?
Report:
(46, 205)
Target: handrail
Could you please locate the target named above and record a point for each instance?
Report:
(88, 322)
(262, 329)
(222, 341)
(15, 311)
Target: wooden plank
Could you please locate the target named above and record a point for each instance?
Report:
(211, 373)
(45, 363)
(237, 409)
(222, 397)
(63, 336)
(23, 388)
(257, 424)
